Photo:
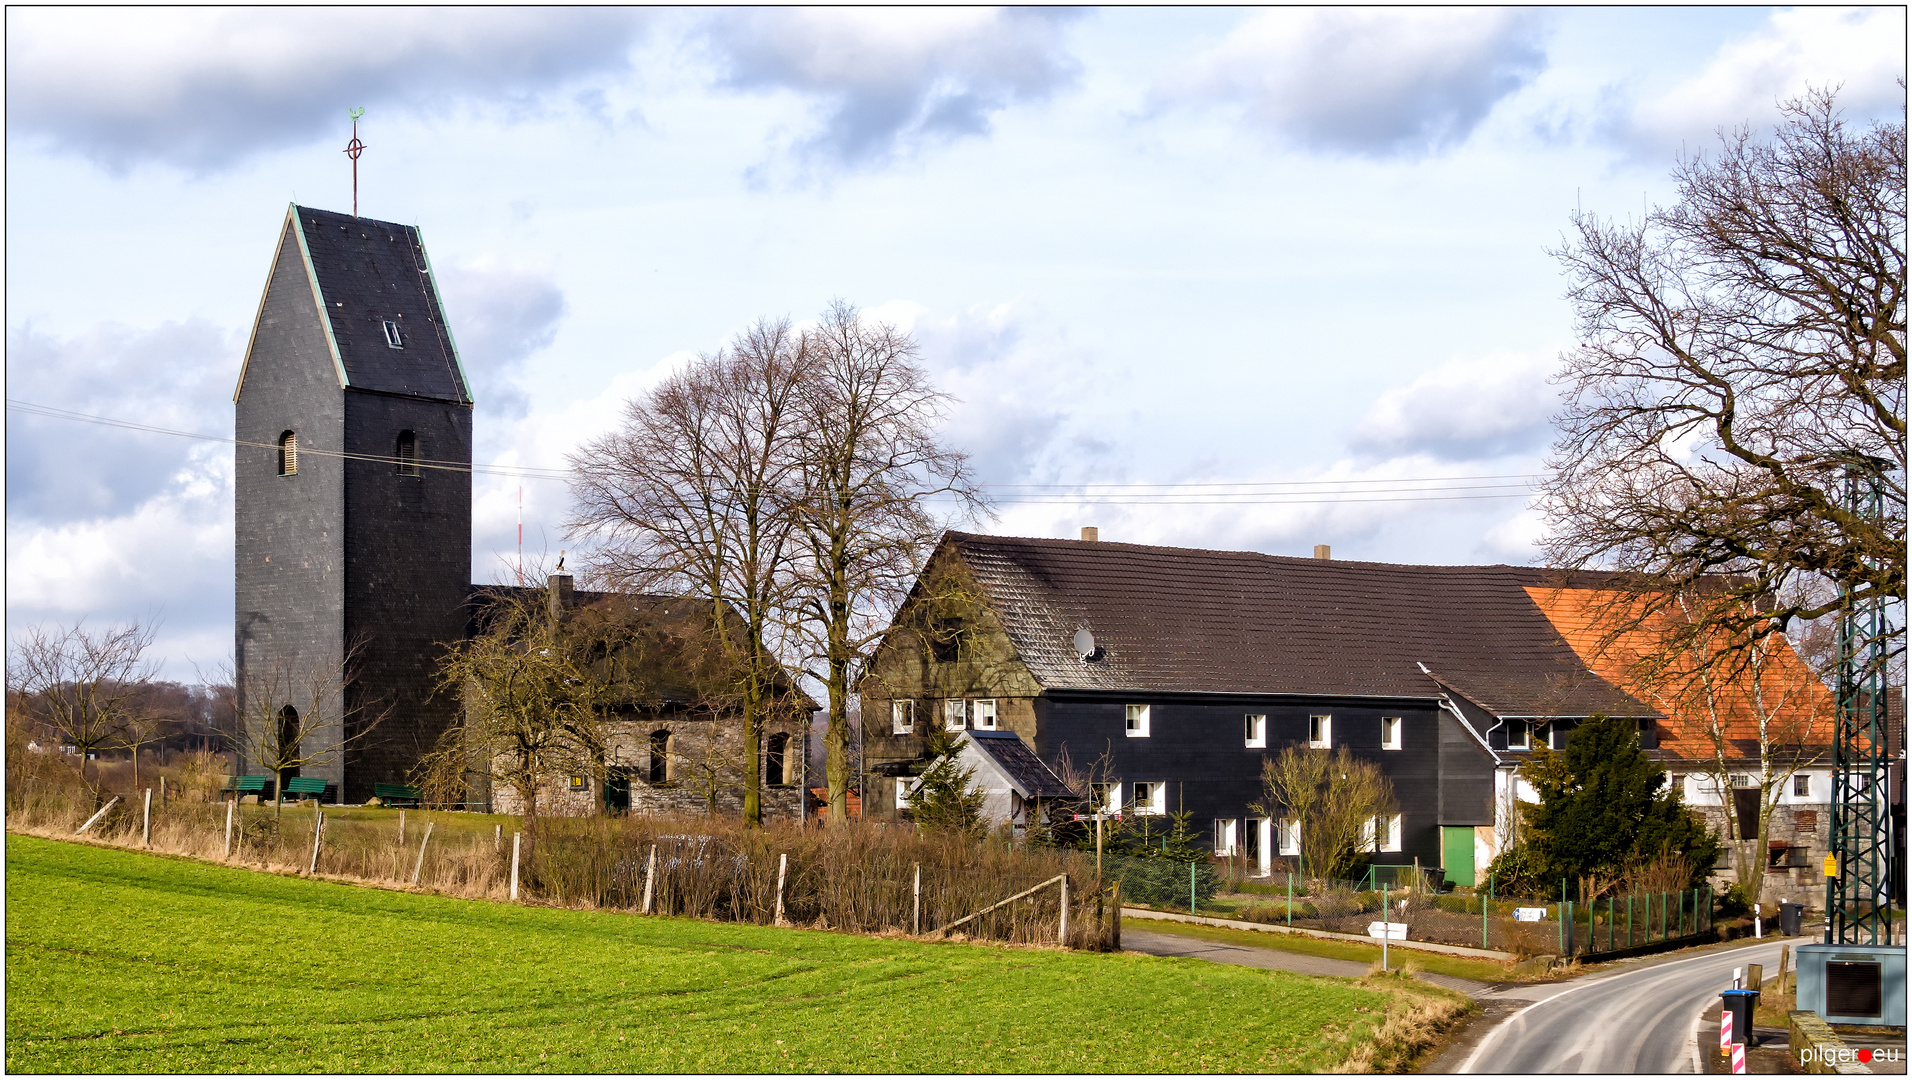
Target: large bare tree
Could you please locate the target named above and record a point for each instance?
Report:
(84, 686)
(871, 462)
(1740, 375)
(696, 492)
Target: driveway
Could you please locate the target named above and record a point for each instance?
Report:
(1160, 944)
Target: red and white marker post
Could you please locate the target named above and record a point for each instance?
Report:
(1725, 1032)
(1739, 1058)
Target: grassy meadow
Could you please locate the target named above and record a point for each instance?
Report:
(119, 961)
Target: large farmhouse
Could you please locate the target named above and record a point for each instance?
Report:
(1180, 670)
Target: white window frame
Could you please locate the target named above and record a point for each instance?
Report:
(1227, 836)
(1110, 796)
(1156, 803)
(1135, 721)
(1554, 737)
(982, 714)
(394, 335)
(1526, 735)
(1265, 834)
(903, 789)
(955, 714)
(1391, 732)
(1287, 837)
(1254, 734)
(1326, 728)
(903, 717)
(1733, 780)
(1393, 839)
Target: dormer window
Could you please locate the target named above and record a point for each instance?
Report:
(288, 454)
(393, 339)
(407, 454)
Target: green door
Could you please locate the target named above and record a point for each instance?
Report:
(1457, 853)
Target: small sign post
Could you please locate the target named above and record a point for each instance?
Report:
(1739, 1058)
(1725, 1031)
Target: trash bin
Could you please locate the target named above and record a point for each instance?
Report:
(1740, 1003)
(1790, 916)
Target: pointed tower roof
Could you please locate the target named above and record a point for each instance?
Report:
(364, 274)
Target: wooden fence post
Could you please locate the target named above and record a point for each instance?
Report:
(162, 793)
(497, 838)
(146, 822)
(1062, 931)
(1115, 904)
(650, 876)
(229, 807)
(916, 906)
(420, 864)
(401, 828)
(515, 838)
(81, 831)
(318, 829)
(783, 865)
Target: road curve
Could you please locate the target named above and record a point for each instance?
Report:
(1641, 1020)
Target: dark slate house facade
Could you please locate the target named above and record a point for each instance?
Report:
(1204, 663)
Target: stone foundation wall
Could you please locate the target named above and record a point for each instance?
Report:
(1807, 825)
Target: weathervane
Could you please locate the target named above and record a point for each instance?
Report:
(352, 150)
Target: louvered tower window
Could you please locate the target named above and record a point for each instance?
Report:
(407, 454)
(288, 454)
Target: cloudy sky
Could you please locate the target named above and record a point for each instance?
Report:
(1296, 253)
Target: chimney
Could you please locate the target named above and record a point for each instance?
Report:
(1089, 533)
(560, 590)
(1321, 552)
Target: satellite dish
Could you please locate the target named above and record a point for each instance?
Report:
(1085, 645)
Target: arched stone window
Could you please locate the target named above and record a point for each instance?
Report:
(407, 453)
(776, 767)
(660, 764)
(288, 453)
(287, 746)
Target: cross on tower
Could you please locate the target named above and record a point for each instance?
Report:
(352, 150)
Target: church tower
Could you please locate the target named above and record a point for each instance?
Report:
(352, 494)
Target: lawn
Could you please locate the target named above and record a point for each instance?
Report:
(125, 962)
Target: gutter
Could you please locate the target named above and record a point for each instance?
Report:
(1448, 704)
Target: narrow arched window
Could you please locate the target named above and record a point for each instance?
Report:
(288, 454)
(773, 760)
(407, 454)
(660, 770)
(286, 749)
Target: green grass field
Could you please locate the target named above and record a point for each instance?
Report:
(125, 962)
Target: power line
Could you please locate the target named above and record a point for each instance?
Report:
(1256, 493)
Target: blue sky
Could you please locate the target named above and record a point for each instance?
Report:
(1168, 246)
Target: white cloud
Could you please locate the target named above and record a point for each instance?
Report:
(1375, 82)
(1861, 50)
(205, 88)
(888, 82)
(503, 315)
(1464, 410)
(1517, 538)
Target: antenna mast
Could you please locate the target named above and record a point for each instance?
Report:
(352, 150)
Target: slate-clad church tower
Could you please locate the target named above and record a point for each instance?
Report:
(353, 484)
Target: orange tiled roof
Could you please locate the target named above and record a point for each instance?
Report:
(1801, 705)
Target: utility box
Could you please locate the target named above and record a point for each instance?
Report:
(1853, 984)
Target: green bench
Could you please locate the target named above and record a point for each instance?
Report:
(391, 794)
(247, 785)
(315, 786)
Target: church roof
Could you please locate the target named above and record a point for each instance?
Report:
(365, 273)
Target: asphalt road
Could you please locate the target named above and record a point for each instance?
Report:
(1638, 1020)
(1160, 943)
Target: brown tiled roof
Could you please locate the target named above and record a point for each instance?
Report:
(1188, 620)
(1013, 756)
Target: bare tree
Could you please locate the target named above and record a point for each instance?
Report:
(84, 686)
(1738, 393)
(695, 493)
(301, 715)
(1332, 799)
(871, 461)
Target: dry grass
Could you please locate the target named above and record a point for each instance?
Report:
(857, 878)
(1417, 1015)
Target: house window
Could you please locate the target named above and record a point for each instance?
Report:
(288, 454)
(1390, 733)
(945, 640)
(660, 763)
(1135, 721)
(1739, 780)
(577, 782)
(1287, 837)
(1254, 731)
(1392, 840)
(982, 714)
(1784, 857)
(1554, 736)
(1108, 797)
(775, 752)
(1387, 827)
(1251, 840)
(1226, 831)
(393, 339)
(902, 717)
(903, 790)
(1151, 797)
(953, 715)
(1520, 735)
(407, 454)
(1802, 786)
(1320, 732)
